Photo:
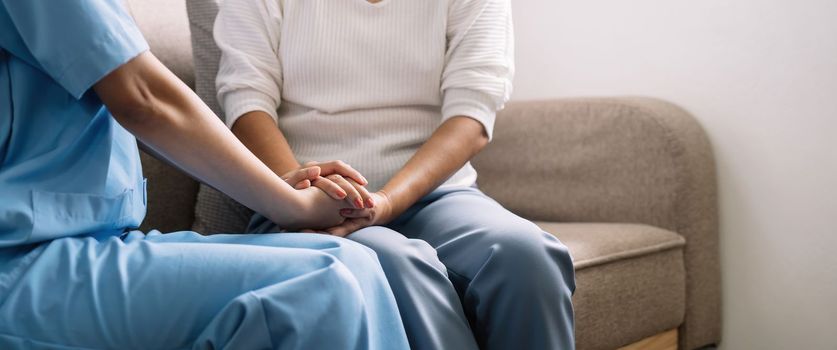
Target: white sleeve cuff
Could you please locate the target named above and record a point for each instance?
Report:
(238, 102)
(470, 103)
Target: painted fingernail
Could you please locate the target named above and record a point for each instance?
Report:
(370, 203)
(341, 194)
(358, 203)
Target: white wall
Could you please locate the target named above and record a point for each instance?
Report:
(761, 77)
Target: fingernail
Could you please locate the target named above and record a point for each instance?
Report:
(370, 203)
(341, 194)
(358, 203)
(345, 211)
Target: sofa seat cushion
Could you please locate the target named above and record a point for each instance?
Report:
(630, 281)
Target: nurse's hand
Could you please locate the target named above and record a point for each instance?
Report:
(336, 178)
(301, 178)
(318, 211)
(357, 219)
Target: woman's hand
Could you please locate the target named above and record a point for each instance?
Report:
(323, 204)
(336, 178)
(356, 219)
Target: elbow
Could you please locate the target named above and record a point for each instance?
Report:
(477, 136)
(481, 141)
(470, 133)
(135, 110)
(142, 119)
(135, 94)
(142, 111)
(479, 133)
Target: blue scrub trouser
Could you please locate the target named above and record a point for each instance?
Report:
(468, 273)
(184, 290)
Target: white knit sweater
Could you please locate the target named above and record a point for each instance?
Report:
(365, 83)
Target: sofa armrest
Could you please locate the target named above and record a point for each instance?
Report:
(629, 159)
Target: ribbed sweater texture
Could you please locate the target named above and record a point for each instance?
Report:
(361, 82)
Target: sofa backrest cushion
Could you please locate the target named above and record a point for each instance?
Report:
(164, 25)
(629, 159)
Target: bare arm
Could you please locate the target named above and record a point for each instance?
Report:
(165, 115)
(259, 133)
(452, 145)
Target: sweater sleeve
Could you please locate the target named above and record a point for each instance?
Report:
(249, 74)
(479, 62)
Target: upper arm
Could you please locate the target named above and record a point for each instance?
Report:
(479, 62)
(76, 42)
(249, 73)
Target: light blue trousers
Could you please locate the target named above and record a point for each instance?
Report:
(468, 273)
(187, 291)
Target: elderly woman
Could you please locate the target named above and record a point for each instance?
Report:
(77, 84)
(406, 92)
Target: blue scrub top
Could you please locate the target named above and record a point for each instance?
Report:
(66, 167)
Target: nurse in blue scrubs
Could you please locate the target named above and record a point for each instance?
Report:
(77, 85)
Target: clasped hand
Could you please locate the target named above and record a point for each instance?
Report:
(337, 200)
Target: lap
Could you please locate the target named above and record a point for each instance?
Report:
(390, 247)
(158, 291)
(466, 226)
(450, 214)
(341, 248)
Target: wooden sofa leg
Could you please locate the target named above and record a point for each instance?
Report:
(662, 341)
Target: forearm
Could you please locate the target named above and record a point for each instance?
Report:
(259, 133)
(165, 115)
(452, 145)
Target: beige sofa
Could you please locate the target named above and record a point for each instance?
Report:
(628, 184)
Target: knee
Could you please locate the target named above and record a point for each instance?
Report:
(394, 250)
(343, 285)
(327, 296)
(523, 250)
(520, 244)
(329, 290)
(358, 255)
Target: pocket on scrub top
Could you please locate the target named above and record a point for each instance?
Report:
(67, 214)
